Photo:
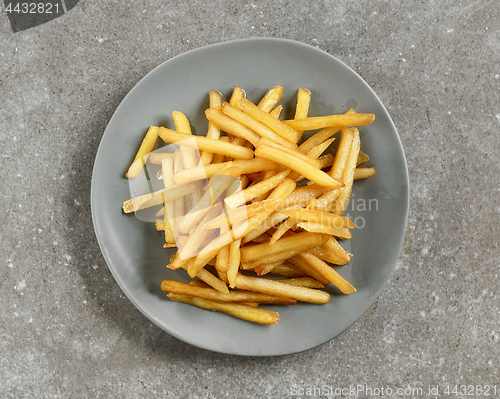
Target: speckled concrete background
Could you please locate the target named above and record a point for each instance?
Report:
(67, 330)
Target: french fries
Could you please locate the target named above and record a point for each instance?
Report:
(232, 207)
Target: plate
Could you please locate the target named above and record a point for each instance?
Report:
(133, 248)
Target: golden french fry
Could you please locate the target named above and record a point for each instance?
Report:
(308, 282)
(274, 219)
(266, 286)
(222, 260)
(302, 108)
(213, 132)
(157, 198)
(241, 295)
(245, 312)
(311, 161)
(276, 112)
(310, 271)
(348, 175)
(295, 242)
(271, 98)
(282, 268)
(362, 158)
(332, 252)
(231, 126)
(238, 94)
(240, 197)
(142, 154)
(342, 154)
(282, 230)
(270, 121)
(203, 143)
(319, 122)
(258, 127)
(325, 200)
(320, 217)
(310, 172)
(341, 232)
(321, 136)
(364, 173)
(234, 262)
(319, 149)
(327, 272)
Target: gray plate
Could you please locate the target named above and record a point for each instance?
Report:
(133, 249)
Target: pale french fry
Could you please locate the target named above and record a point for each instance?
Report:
(319, 122)
(310, 172)
(245, 312)
(348, 175)
(231, 126)
(142, 154)
(271, 98)
(266, 286)
(270, 121)
(234, 262)
(203, 143)
(160, 225)
(157, 198)
(157, 156)
(195, 239)
(295, 242)
(217, 188)
(213, 132)
(248, 194)
(328, 272)
(232, 296)
(197, 173)
(239, 214)
(167, 168)
(364, 173)
(258, 127)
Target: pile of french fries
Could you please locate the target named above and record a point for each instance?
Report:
(252, 199)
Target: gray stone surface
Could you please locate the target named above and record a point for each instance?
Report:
(67, 330)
